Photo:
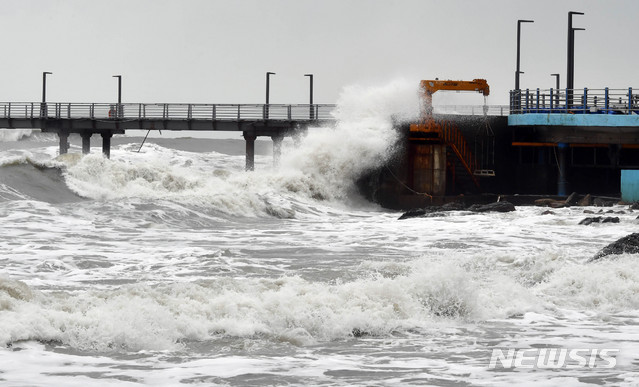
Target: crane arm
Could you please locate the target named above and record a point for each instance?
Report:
(478, 85)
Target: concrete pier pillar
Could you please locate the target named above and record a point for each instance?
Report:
(250, 150)
(86, 142)
(64, 142)
(106, 144)
(562, 182)
(277, 149)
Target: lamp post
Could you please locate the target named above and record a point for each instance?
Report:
(556, 86)
(311, 114)
(570, 72)
(43, 107)
(517, 71)
(268, 91)
(119, 107)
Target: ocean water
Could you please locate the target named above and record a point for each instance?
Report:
(173, 266)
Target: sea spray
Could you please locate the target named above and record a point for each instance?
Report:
(323, 165)
(333, 158)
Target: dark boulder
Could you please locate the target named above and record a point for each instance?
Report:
(502, 206)
(413, 213)
(599, 202)
(599, 219)
(572, 199)
(626, 245)
(585, 201)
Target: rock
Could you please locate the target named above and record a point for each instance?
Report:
(585, 201)
(453, 206)
(599, 202)
(502, 206)
(599, 219)
(548, 212)
(626, 245)
(634, 206)
(413, 213)
(588, 212)
(557, 204)
(572, 199)
(545, 202)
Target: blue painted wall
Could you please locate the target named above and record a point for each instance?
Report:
(630, 185)
(559, 119)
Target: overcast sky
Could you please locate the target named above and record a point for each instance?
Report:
(217, 51)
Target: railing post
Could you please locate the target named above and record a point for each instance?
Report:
(238, 112)
(606, 100)
(288, 111)
(527, 99)
(69, 111)
(214, 112)
(537, 111)
(629, 100)
(567, 97)
(189, 112)
(9, 112)
(139, 111)
(551, 100)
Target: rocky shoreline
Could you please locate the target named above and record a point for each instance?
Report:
(626, 245)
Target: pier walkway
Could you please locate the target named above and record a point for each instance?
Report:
(87, 119)
(586, 116)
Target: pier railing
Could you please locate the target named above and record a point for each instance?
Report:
(574, 101)
(472, 110)
(165, 111)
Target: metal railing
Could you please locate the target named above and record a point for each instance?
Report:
(574, 101)
(165, 111)
(472, 110)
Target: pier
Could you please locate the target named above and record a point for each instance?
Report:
(106, 119)
(598, 126)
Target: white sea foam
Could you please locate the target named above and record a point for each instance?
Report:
(325, 164)
(14, 134)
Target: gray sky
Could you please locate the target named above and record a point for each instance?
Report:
(218, 51)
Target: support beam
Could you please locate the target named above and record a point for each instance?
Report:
(562, 182)
(277, 149)
(64, 142)
(250, 150)
(86, 142)
(106, 144)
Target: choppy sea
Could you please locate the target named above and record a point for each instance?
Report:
(171, 265)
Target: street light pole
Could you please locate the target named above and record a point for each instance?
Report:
(312, 115)
(570, 72)
(517, 71)
(268, 92)
(118, 110)
(44, 86)
(119, 77)
(43, 107)
(557, 86)
(557, 79)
